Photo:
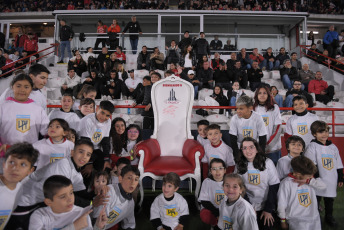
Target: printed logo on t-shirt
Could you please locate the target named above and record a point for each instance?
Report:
(56, 156)
(304, 197)
(4, 214)
(113, 215)
(212, 156)
(171, 210)
(254, 177)
(219, 195)
(23, 123)
(302, 128)
(227, 223)
(266, 119)
(97, 136)
(247, 131)
(327, 161)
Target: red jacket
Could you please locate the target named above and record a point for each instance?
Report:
(19, 41)
(121, 56)
(117, 29)
(259, 59)
(30, 45)
(102, 29)
(316, 86)
(9, 64)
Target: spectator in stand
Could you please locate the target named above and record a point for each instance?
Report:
(120, 56)
(228, 46)
(143, 59)
(288, 74)
(188, 59)
(331, 41)
(31, 45)
(295, 91)
(20, 40)
(66, 36)
(255, 56)
(133, 86)
(216, 44)
(201, 46)
(172, 54)
(323, 92)
(101, 30)
(311, 52)
(236, 93)
(254, 76)
(190, 77)
(95, 81)
(157, 59)
(2, 58)
(185, 42)
(92, 64)
(310, 37)
(272, 63)
(282, 56)
(239, 74)
(295, 62)
(122, 74)
(70, 82)
(15, 55)
(278, 98)
(12, 47)
(89, 53)
(78, 64)
(104, 55)
(22, 62)
(244, 59)
(8, 64)
(324, 58)
(215, 63)
(205, 75)
(341, 43)
(306, 76)
(113, 29)
(134, 27)
(222, 77)
(231, 62)
(112, 85)
(2, 40)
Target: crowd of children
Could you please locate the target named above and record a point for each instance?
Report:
(77, 168)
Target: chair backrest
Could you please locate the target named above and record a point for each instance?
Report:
(172, 101)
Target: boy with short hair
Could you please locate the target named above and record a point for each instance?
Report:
(117, 169)
(87, 106)
(120, 207)
(326, 156)
(96, 127)
(297, 203)
(19, 161)
(202, 125)
(39, 75)
(246, 123)
(169, 210)
(299, 124)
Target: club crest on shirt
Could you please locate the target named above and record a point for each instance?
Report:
(254, 177)
(97, 136)
(247, 131)
(227, 223)
(113, 215)
(266, 119)
(219, 195)
(304, 197)
(3, 217)
(327, 161)
(302, 128)
(56, 156)
(171, 210)
(23, 123)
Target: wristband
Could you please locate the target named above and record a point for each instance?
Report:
(283, 220)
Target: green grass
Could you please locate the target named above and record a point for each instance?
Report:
(195, 223)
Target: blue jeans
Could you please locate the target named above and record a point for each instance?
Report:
(279, 100)
(289, 101)
(20, 50)
(263, 64)
(133, 43)
(233, 101)
(196, 91)
(63, 46)
(272, 66)
(274, 156)
(286, 82)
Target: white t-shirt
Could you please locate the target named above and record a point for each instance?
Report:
(298, 204)
(33, 184)
(328, 160)
(169, 212)
(252, 127)
(8, 202)
(188, 61)
(36, 95)
(45, 218)
(118, 209)
(257, 183)
(239, 215)
(271, 118)
(90, 127)
(132, 83)
(301, 126)
(283, 166)
(50, 152)
(71, 117)
(22, 122)
(222, 151)
(202, 140)
(212, 191)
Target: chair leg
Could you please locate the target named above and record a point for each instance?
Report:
(190, 184)
(153, 185)
(141, 192)
(198, 187)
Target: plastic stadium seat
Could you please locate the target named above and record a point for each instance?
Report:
(203, 93)
(125, 117)
(266, 75)
(53, 93)
(196, 118)
(275, 74)
(218, 118)
(249, 92)
(54, 81)
(141, 73)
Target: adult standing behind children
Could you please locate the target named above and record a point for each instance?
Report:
(66, 36)
(134, 27)
(113, 29)
(101, 30)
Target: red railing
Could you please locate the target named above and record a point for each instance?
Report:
(29, 56)
(333, 110)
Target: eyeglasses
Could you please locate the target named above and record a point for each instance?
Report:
(217, 169)
(249, 148)
(133, 131)
(297, 84)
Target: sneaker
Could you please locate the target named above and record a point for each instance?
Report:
(335, 99)
(60, 62)
(330, 221)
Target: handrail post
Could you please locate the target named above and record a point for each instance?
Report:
(333, 126)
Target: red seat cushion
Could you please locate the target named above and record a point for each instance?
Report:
(165, 164)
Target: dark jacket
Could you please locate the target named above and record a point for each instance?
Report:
(185, 42)
(145, 98)
(80, 68)
(102, 57)
(66, 33)
(282, 57)
(267, 56)
(134, 27)
(292, 73)
(106, 86)
(244, 61)
(143, 58)
(230, 64)
(301, 92)
(254, 75)
(238, 74)
(201, 47)
(216, 45)
(221, 99)
(222, 76)
(205, 75)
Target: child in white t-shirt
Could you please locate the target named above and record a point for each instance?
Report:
(169, 210)
(202, 126)
(117, 169)
(19, 161)
(326, 157)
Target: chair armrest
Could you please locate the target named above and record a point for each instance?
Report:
(190, 148)
(151, 149)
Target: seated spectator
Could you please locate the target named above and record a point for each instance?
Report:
(120, 56)
(78, 64)
(105, 68)
(306, 75)
(205, 75)
(122, 74)
(341, 43)
(216, 44)
(231, 62)
(172, 54)
(216, 61)
(157, 59)
(295, 62)
(104, 55)
(2, 58)
(222, 77)
(228, 46)
(113, 61)
(272, 63)
(282, 56)
(244, 58)
(70, 82)
(324, 58)
(188, 59)
(185, 42)
(112, 86)
(202, 60)
(239, 74)
(295, 91)
(254, 75)
(22, 62)
(95, 81)
(255, 56)
(143, 59)
(236, 93)
(220, 97)
(8, 65)
(312, 52)
(132, 86)
(88, 54)
(288, 74)
(15, 56)
(175, 69)
(92, 64)
(190, 77)
(278, 98)
(323, 92)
